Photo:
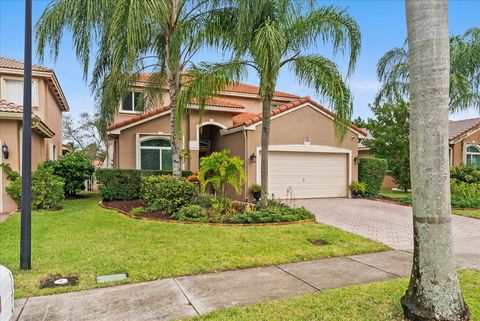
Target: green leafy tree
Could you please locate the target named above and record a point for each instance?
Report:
(359, 122)
(135, 36)
(394, 74)
(74, 168)
(390, 130)
(269, 35)
(219, 170)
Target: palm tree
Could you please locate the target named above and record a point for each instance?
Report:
(434, 291)
(393, 72)
(133, 36)
(268, 35)
(219, 169)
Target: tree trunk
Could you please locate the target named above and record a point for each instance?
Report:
(434, 291)
(266, 107)
(176, 164)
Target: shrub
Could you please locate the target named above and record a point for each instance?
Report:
(47, 189)
(166, 193)
(124, 184)
(74, 168)
(465, 195)
(358, 188)
(194, 179)
(466, 174)
(192, 213)
(203, 200)
(10, 174)
(371, 171)
(137, 211)
(219, 170)
(271, 214)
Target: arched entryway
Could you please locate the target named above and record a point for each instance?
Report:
(209, 138)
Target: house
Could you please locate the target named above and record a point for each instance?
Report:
(48, 104)
(463, 145)
(305, 159)
(464, 142)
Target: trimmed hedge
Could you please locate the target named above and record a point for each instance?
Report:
(124, 184)
(372, 171)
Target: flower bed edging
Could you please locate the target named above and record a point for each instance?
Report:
(312, 220)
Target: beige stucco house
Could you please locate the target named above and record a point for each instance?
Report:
(305, 159)
(48, 104)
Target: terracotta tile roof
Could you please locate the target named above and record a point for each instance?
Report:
(457, 128)
(218, 102)
(8, 107)
(215, 102)
(249, 89)
(134, 119)
(282, 108)
(16, 64)
(236, 88)
(241, 118)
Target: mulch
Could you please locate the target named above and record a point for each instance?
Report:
(124, 207)
(127, 206)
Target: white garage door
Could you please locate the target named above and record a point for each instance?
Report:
(307, 175)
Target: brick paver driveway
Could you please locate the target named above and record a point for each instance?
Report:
(390, 224)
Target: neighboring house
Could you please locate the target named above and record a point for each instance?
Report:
(305, 159)
(463, 143)
(48, 103)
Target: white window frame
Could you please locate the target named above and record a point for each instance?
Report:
(147, 138)
(472, 153)
(3, 93)
(133, 111)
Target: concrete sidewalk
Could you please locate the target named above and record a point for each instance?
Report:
(192, 295)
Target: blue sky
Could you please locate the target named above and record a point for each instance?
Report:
(382, 25)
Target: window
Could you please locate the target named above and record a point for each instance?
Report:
(133, 102)
(156, 154)
(473, 156)
(14, 91)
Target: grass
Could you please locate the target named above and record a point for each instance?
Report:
(473, 213)
(375, 302)
(86, 240)
(396, 195)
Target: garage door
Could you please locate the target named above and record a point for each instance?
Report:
(307, 175)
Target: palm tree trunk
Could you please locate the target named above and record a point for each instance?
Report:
(434, 291)
(175, 143)
(266, 107)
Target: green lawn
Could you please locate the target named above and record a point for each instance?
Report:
(473, 213)
(397, 195)
(86, 240)
(374, 302)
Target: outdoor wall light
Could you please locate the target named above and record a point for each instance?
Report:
(357, 160)
(253, 158)
(5, 150)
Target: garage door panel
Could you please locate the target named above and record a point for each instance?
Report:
(307, 175)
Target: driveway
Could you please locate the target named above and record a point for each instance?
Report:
(392, 224)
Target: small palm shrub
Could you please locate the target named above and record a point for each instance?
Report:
(47, 190)
(219, 170)
(358, 188)
(166, 194)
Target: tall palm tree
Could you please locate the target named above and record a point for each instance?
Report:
(268, 35)
(393, 72)
(434, 291)
(133, 36)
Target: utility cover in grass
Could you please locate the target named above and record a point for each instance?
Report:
(111, 278)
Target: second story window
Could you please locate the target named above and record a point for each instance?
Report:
(14, 92)
(133, 102)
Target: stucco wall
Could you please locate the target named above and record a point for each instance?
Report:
(9, 134)
(293, 127)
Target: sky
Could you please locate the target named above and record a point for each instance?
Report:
(382, 24)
